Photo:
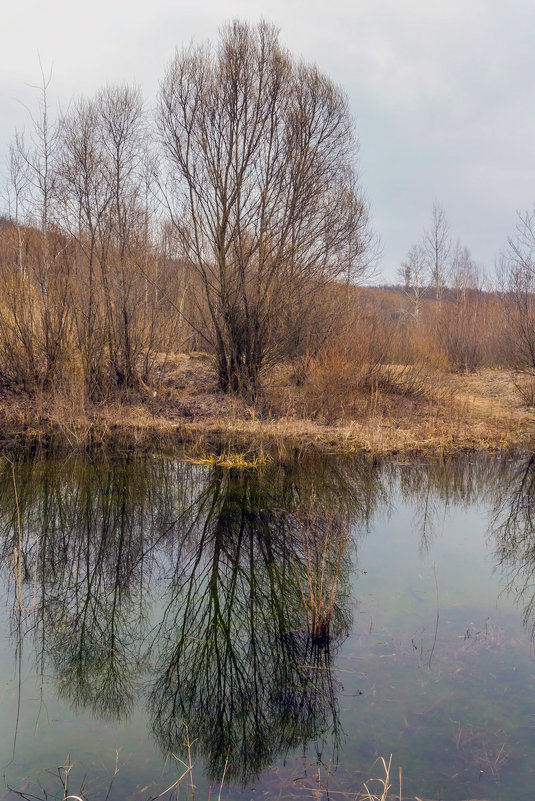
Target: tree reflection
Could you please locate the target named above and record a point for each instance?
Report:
(431, 487)
(220, 598)
(86, 529)
(245, 659)
(253, 567)
(513, 526)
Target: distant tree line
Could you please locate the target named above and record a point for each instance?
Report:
(479, 321)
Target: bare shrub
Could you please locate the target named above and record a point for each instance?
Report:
(335, 378)
(524, 384)
(460, 332)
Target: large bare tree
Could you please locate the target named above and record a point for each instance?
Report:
(262, 189)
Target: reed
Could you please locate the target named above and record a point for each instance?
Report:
(380, 787)
(376, 788)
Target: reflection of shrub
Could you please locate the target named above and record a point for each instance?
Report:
(324, 542)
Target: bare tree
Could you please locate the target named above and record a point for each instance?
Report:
(105, 192)
(465, 273)
(518, 277)
(413, 273)
(122, 131)
(85, 197)
(262, 191)
(35, 317)
(437, 245)
(16, 191)
(522, 245)
(462, 322)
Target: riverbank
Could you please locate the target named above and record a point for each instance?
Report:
(449, 413)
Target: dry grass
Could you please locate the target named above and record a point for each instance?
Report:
(405, 410)
(524, 384)
(381, 787)
(378, 788)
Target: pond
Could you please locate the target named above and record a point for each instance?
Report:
(269, 632)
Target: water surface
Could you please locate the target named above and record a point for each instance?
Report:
(291, 624)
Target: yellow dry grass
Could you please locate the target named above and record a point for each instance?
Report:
(457, 412)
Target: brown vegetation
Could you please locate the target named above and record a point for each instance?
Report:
(234, 224)
(223, 223)
(403, 409)
(385, 379)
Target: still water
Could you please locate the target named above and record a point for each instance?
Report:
(267, 633)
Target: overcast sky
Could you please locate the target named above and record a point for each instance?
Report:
(442, 91)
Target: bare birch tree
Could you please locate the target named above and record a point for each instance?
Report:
(437, 244)
(413, 273)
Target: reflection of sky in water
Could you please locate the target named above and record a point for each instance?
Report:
(455, 703)
(457, 711)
